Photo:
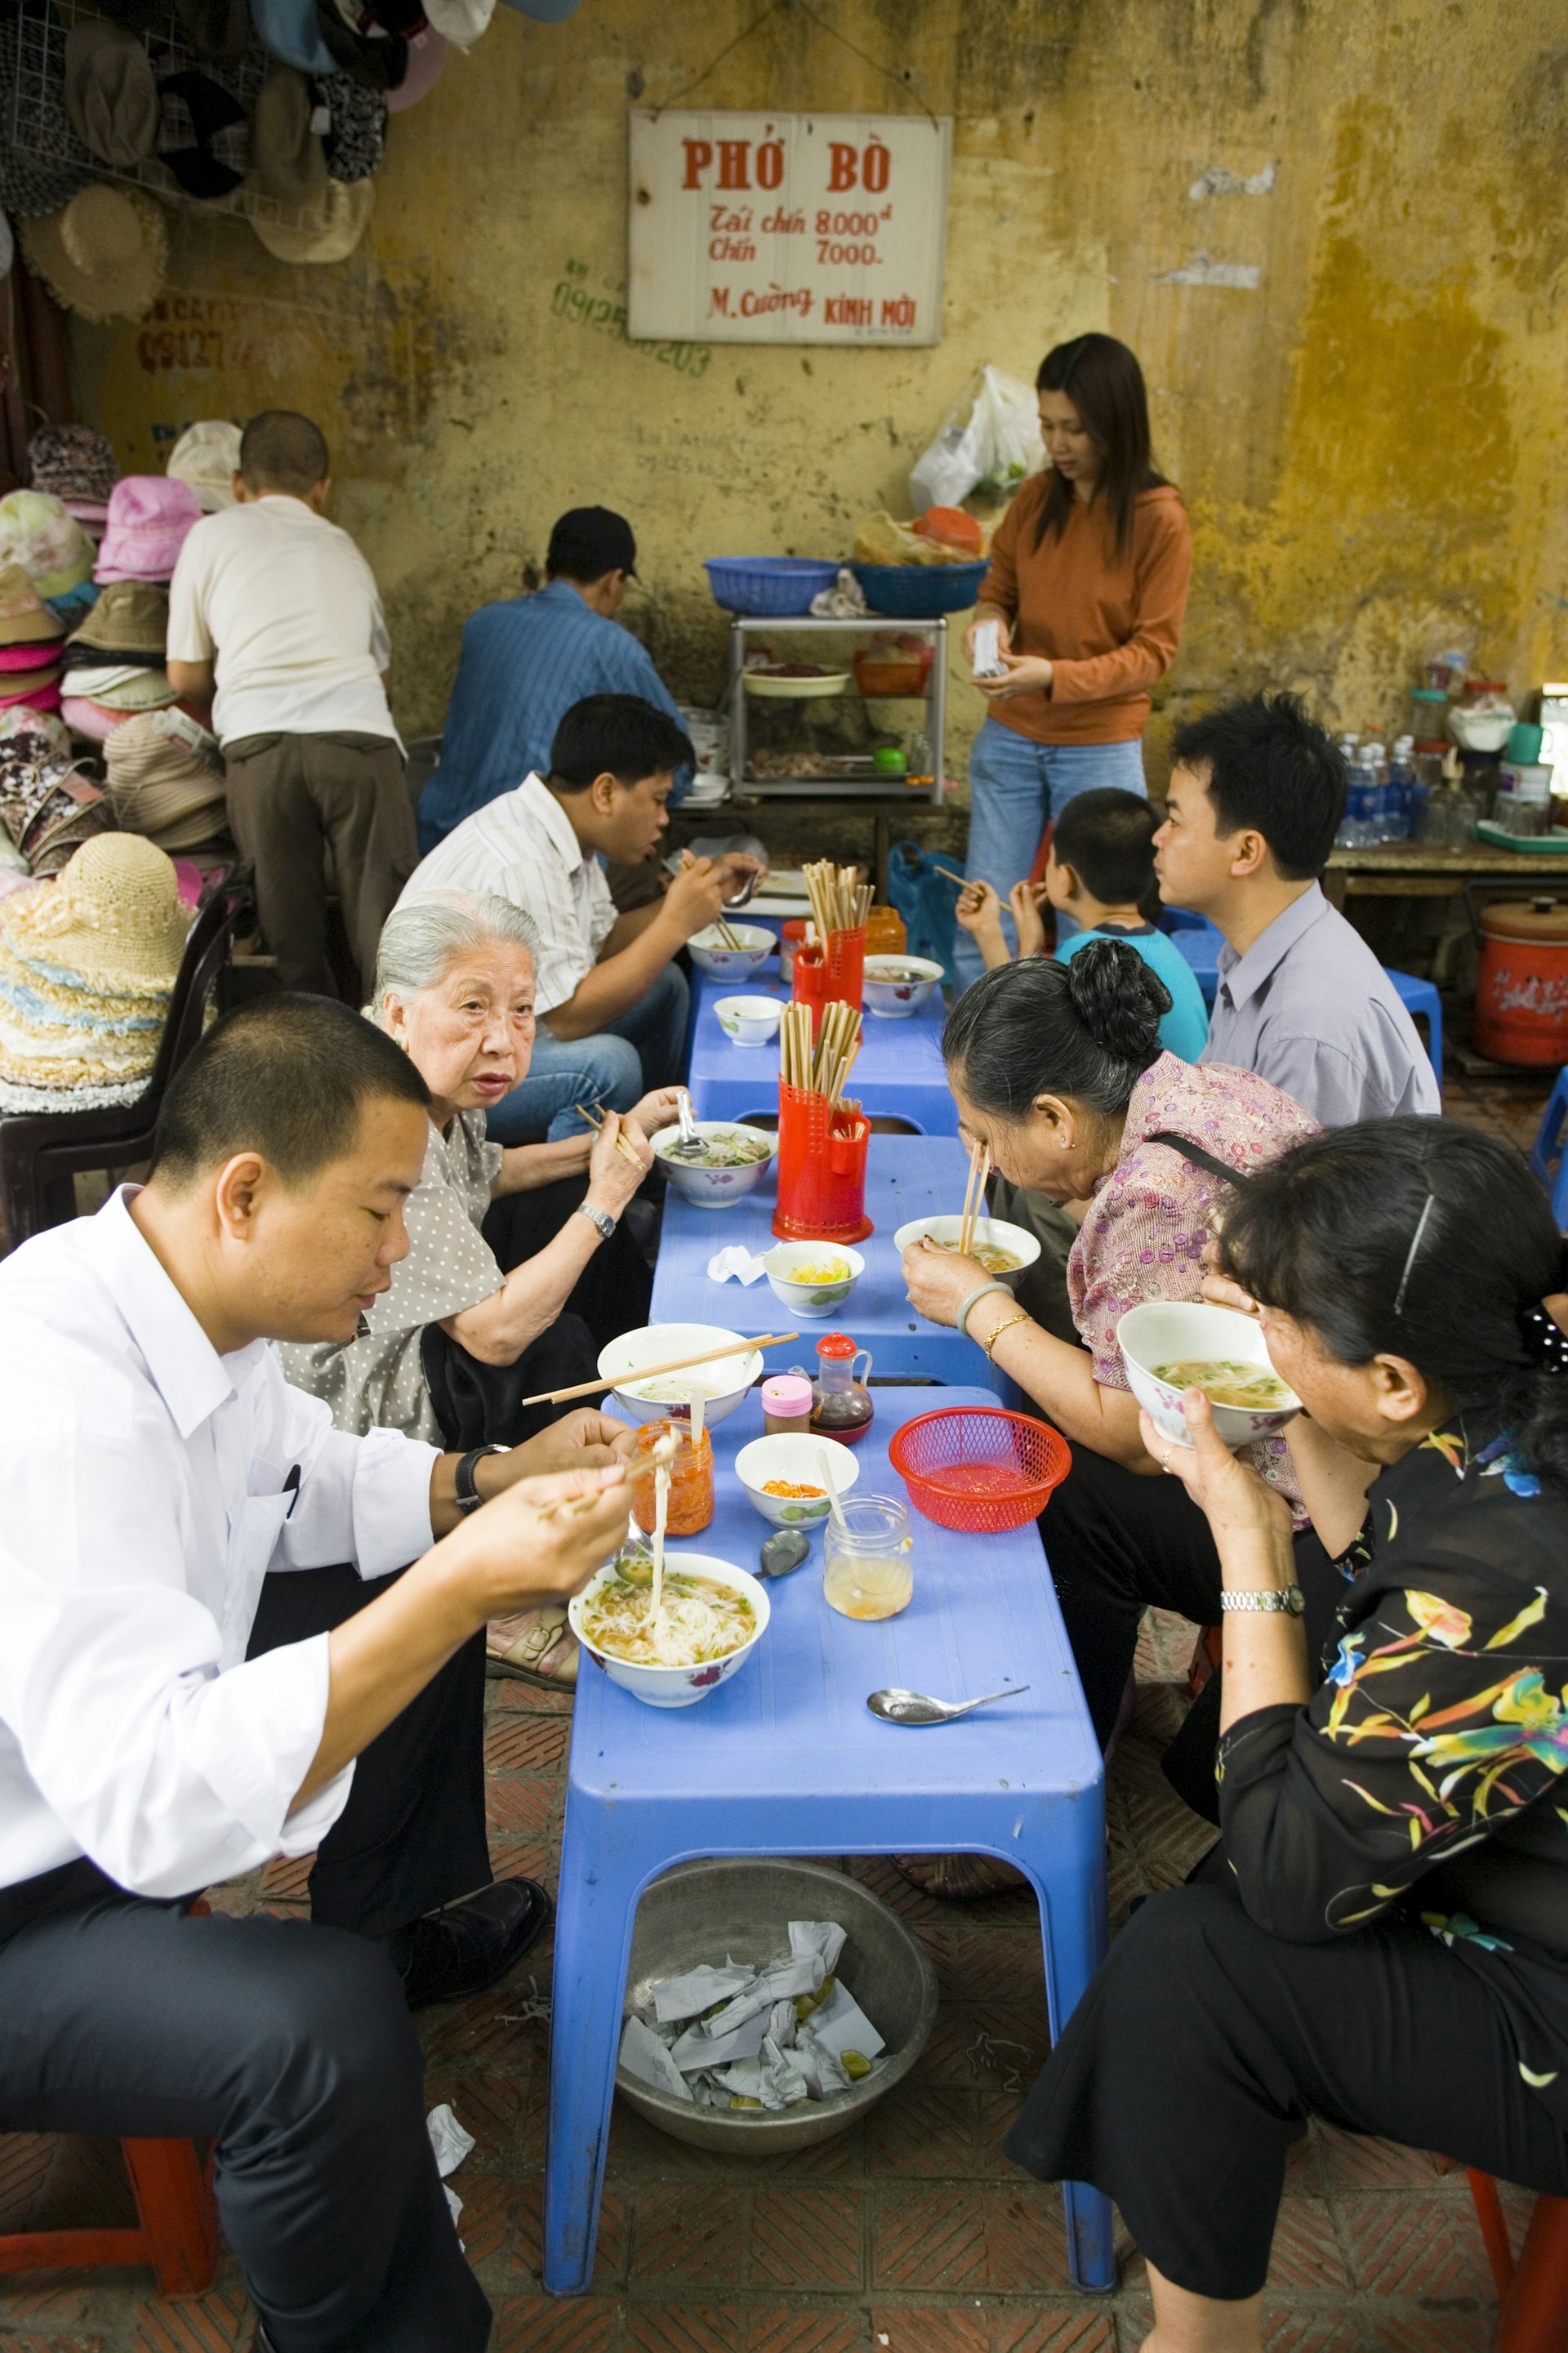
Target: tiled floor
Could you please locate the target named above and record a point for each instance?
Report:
(913, 2234)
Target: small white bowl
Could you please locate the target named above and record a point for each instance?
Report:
(895, 999)
(677, 1686)
(1025, 1247)
(709, 951)
(750, 1021)
(1169, 1331)
(811, 1299)
(663, 1344)
(796, 1459)
(715, 1188)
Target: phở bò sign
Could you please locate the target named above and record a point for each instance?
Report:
(788, 228)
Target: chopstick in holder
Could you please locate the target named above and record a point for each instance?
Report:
(741, 1347)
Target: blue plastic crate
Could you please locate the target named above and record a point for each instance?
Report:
(920, 592)
(769, 586)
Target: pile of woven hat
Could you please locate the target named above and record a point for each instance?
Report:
(88, 965)
(118, 654)
(278, 108)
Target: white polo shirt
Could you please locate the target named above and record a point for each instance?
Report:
(290, 609)
(521, 847)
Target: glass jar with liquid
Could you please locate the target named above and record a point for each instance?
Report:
(843, 1407)
(865, 1562)
(690, 1508)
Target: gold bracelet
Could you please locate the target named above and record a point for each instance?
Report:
(1006, 1325)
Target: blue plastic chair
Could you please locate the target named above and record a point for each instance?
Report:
(1547, 1157)
(785, 1761)
(1421, 1001)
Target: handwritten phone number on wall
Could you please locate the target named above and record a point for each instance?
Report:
(606, 317)
(195, 347)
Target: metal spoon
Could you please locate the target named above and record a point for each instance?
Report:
(914, 1708)
(691, 1146)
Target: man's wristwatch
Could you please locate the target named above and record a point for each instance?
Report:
(601, 1220)
(467, 1495)
(1286, 1598)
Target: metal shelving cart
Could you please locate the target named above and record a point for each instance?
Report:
(853, 778)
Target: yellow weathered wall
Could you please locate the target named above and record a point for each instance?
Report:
(1371, 440)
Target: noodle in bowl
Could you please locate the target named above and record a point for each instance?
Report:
(682, 1685)
(1167, 1332)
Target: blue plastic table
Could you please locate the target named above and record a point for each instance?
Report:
(906, 1177)
(900, 1073)
(786, 1760)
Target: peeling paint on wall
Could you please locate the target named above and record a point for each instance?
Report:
(1201, 271)
(1219, 182)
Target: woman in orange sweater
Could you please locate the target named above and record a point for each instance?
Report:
(1088, 578)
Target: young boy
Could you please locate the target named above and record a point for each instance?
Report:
(1099, 874)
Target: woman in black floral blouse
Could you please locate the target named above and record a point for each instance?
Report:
(1382, 1938)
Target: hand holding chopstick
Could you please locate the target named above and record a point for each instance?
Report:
(623, 1144)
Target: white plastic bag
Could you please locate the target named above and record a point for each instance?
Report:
(991, 435)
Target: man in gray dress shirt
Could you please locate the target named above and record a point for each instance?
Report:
(1255, 796)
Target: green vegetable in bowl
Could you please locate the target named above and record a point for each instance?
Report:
(733, 1151)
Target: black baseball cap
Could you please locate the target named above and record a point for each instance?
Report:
(588, 542)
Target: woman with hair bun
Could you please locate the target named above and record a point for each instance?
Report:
(1058, 1069)
(1380, 1938)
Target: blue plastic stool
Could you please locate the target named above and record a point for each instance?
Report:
(1547, 1157)
(1420, 998)
(1200, 942)
(786, 1760)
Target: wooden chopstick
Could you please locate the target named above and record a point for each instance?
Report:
(979, 1171)
(964, 882)
(633, 1379)
(624, 1144)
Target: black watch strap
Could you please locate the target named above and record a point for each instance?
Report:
(468, 1496)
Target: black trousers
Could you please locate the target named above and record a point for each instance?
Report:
(412, 1834)
(1118, 1545)
(290, 2047)
(1192, 2062)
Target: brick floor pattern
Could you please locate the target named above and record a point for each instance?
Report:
(912, 2233)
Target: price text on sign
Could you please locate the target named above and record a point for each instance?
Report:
(788, 228)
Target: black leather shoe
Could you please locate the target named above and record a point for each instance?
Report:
(466, 1947)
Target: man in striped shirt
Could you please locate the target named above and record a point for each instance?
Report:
(528, 660)
(610, 1001)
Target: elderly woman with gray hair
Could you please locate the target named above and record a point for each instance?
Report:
(449, 1352)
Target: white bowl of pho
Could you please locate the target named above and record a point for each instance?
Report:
(897, 986)
(721, 1384)
(1172, 1345)
(754, 946)
(710, 1619)
(1004, 1251)
(733, 1160)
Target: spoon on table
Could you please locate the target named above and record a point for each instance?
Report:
(896, 1706)
(690, 1146)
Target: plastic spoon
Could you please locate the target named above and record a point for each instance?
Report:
(896, 1706)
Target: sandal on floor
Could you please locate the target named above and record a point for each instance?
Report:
(536, 1646)
(959, 1878)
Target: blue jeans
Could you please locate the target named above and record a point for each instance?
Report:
(1016, 787)
(615, 1065)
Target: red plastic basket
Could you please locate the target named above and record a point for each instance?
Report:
(979, 1468)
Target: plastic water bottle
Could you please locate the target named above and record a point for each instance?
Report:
(1401, 789)
(1359, 830)
(1373, 758)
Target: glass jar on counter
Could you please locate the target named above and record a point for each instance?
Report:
(690, 1508)
(866, 1570)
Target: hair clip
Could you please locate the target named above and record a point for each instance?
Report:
(1427, 1207)
(1545, 1343)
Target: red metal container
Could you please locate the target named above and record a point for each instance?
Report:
(1522, 985)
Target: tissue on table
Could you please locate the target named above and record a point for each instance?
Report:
(737, 1261)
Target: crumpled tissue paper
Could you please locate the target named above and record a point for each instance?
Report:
(737, 1261)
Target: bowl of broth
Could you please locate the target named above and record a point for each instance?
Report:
(1172, 1345)
(721, 1385)
(1004, 1251)
(754, 944)
(711, 1617)
(733, 1162)
(897, 986)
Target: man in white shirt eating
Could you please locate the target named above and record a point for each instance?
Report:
(611, 1002)
(203, 1628)
(275, 608)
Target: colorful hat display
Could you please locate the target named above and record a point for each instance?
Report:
(51, 545)
(216, 29)
(87, 964)
(47, 807)
(130, 623)
(111, 95)
(25, 618)
(163, 784)
(461, 22)
(377, 58)
(48, 171)
(47, 725)
(287, 154)
(287, 29)
(206, 456)
(149, 517)
(426, 55)
(355, 135)
(331, 235)
(73, 463)
(93, 721)
(133, 687)
(204, 137)
(104, 254)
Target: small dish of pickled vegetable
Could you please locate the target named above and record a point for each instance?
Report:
(782, 1476)
(813, 1278)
